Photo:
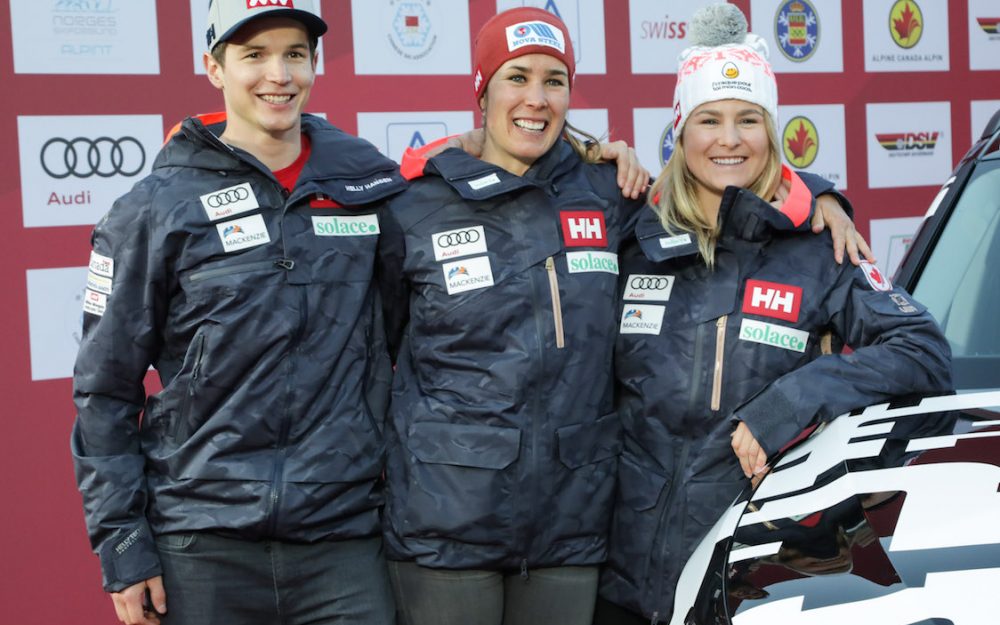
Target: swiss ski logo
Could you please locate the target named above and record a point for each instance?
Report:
(769, 299)
(584, 229)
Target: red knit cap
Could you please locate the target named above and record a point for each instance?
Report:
(515, 33)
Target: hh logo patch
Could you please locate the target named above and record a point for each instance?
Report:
(461, 242)
(346, 226)
(875, 277)
(770, 299)
(645, 288)
(102, 265)
(240, 234)
(584, 229)
(774, 335)
(228, 202)
(641, 319)
(468, 275)
(585, 262)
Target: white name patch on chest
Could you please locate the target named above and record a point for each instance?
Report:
(230, 201)
(346, 226)
(240, 234)
(641, 319)
(468, 275)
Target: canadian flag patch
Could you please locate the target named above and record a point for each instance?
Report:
(875, 277)
(770, 299)
(584, 229)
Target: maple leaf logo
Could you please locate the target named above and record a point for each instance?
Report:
(907, 23)
(801, 142)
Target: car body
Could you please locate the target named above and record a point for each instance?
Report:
(890, 514)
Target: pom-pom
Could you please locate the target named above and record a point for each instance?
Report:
(717, 25)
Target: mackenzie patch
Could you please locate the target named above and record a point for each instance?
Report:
(461, 242)
(584, 262)
(345, 226)
(467, 275)
(774, 335)
(770, 299)
(641, 319)
(243, 233)
(230, 201)
(584, 229)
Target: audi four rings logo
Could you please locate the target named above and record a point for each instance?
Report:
(460, 237)
(230, 196)
(82, 157)
(650, 284)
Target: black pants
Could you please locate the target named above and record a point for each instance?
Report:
(607, 613)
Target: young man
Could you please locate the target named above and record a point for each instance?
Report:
(240, 268)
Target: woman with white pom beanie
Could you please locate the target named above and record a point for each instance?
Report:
(718, 357)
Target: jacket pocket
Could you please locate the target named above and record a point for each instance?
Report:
(639, 488)
(586, 443)
(460, 481)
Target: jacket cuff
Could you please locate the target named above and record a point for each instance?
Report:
(129, 557)
(772, 419)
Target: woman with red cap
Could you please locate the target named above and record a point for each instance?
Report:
(500, 282)
(502, 439)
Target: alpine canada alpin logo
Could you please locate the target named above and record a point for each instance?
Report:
(906, 23)
(796, 29)
(412, 37)
(800, 142)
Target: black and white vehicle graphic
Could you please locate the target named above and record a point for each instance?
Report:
(890, 515)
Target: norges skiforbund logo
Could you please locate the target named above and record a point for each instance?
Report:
(906, 23)
(796, 29)
(800, 142)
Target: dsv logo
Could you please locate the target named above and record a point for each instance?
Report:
(230, 196)
(650, 284)
(460, 237)
(82, 157)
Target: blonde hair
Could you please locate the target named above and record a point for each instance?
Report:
(674, 194)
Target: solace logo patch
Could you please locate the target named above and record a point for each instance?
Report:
(770, 299)
(584, 229)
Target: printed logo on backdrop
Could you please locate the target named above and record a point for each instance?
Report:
(796, 29)
(400, 136)
(412, 28)
(800, 141)
(658, 32)
(85, 37)
(393, 133)
(990, 26)
(666, 144)
(56, 302)
(906, 23)
(907, 144)
(73, 168)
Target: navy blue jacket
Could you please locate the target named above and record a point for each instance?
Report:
(700, 349)
(502, 437)
(258, 312)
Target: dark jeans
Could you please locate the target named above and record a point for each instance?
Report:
(210, 580)
(552, 596)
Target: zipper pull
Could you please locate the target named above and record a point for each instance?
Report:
(524, 569)
(550, 264)
(655, 619)
(285, 263)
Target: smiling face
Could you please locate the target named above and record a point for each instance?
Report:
(525, 107)
(726, 143)
(265, 80)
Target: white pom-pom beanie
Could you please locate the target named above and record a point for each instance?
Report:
(725, 63)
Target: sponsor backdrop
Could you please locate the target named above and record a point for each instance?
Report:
(880, 96)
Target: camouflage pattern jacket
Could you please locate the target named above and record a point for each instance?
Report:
(502, 440)
(259, 314)
(700, 349)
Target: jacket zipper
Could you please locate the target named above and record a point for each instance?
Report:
(550, 267)
(195, 372)
(283, 263)
(670, 545)
(720, 353)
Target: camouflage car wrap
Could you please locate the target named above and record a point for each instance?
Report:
(257, 310)
(503, 438)
(741, 342)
